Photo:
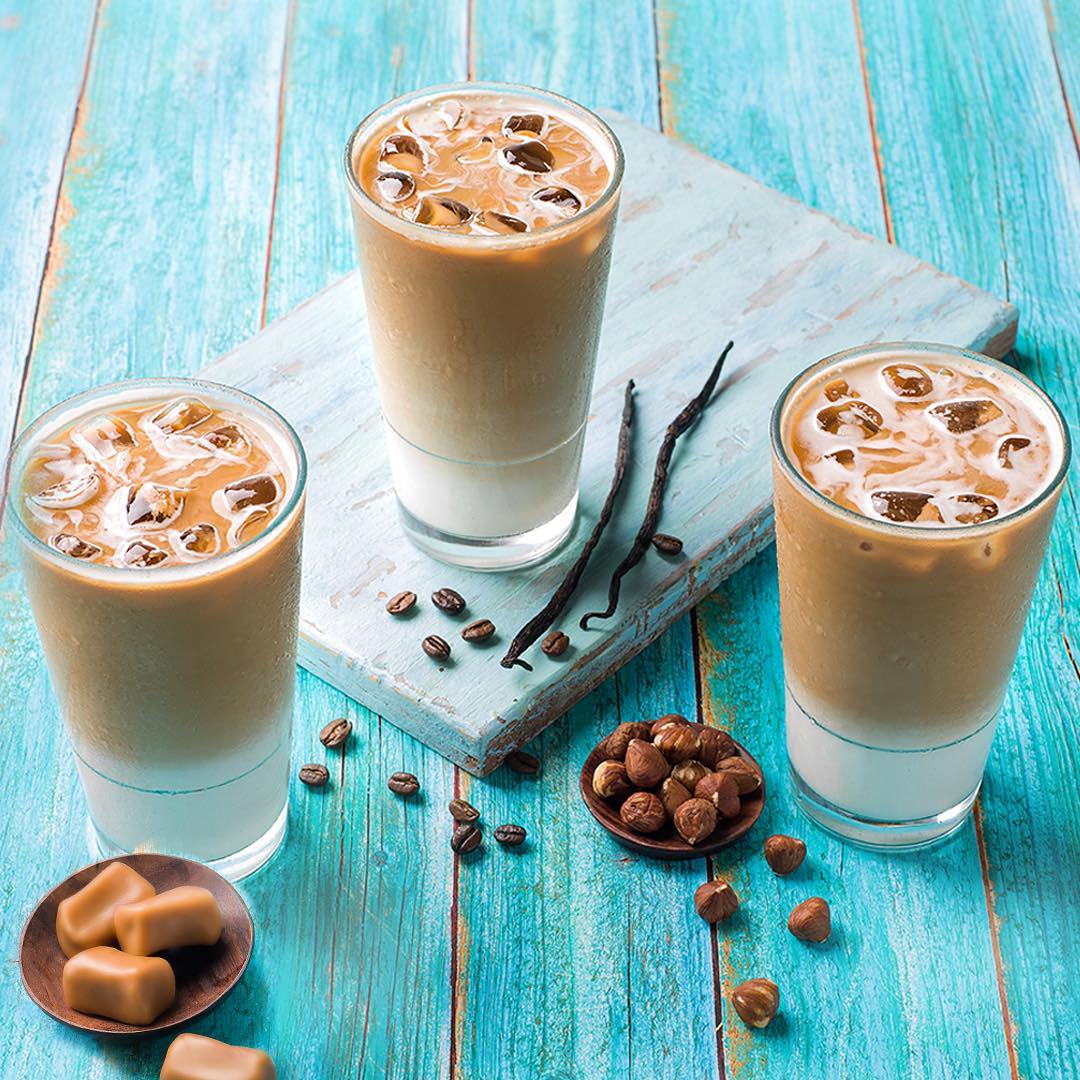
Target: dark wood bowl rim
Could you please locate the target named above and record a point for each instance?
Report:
(667, 844)
(236, 923)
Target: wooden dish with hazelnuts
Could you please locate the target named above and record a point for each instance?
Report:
(673, 789)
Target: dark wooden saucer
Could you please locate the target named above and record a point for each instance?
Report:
(667, 843)
(204, 975)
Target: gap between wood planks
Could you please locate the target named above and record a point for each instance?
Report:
(46, 281)
(1050, 30)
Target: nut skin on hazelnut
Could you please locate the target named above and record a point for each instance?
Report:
(756, 1002)
(614, 746)
(666, 721)
(722, 791)
(715, 901)
(695, 820)
(643, 812)
(688, 773)
(677, 742)
(784, 854)
(645, 765)
(715, 746)
(673, 795)
(746, 776)
(810, 920)
(609, 780)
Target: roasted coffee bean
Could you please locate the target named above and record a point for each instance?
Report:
(403, 783)
(667, 545)
(336, 733)
(480, 630)
(521, 762)
(466, 838)
(314, 775)
(398, 605)
(449, 601)
(555, 644)
(511, 835)
(436, 647)
(460, 810)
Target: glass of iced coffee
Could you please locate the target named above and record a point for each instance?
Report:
(159, 524)
(484, 218)
(915, 486)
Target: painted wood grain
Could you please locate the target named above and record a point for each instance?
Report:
(37, 117)
(1010, 218)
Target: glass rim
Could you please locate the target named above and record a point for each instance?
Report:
(927, 532)
(471, 240)
(149, 575)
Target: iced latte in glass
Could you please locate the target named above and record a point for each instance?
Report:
(484, 217)
(160, 523)
(915, 487)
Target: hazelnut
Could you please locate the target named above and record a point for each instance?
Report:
(643, 812)
(673, 795)
(746, 776)
(609, 779)
(784, 853)
(810, 921)
(722, 791)
(695, 820)
(677, 742)
(688, 773)
(715, 746)
(715, 901)
(667, 721)
(645, 765)
(756, 1001)
(614, 746)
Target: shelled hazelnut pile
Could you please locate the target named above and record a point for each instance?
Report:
(672, 771)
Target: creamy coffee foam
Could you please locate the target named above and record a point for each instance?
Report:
(154, 483)
(482, 164)
(918, 439)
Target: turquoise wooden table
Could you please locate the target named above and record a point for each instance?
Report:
(170, 181)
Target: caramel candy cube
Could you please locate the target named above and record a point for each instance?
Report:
(85, 918)
(195, 1057)
(188, 915)
(104, 981)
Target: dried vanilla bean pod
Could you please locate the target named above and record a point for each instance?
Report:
(690, 412)
(530, 633)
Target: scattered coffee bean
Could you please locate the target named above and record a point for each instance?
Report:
(336, 733)
(480, 630)
(449, 601)
(667, 545)
(467, 837)
(436, 647)
(314, 775)
(511, 835)
(555, 644)
(460, 810)
(521, 762)
(398, 605)
(403, 783)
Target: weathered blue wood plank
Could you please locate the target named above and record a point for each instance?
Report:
(48, 47)
(1008, 216)
(769, 109)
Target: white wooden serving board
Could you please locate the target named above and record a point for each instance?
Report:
(703, 254)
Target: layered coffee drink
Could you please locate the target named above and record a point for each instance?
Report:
(484, 218)
(915, 487)
(160, 524)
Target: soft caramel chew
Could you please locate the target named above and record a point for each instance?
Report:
(104, 981)
(188, 915)
(85, 918)
(194, 1057)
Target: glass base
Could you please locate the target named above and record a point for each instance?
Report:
(879, 835)
(490, 553)
(240, 864)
